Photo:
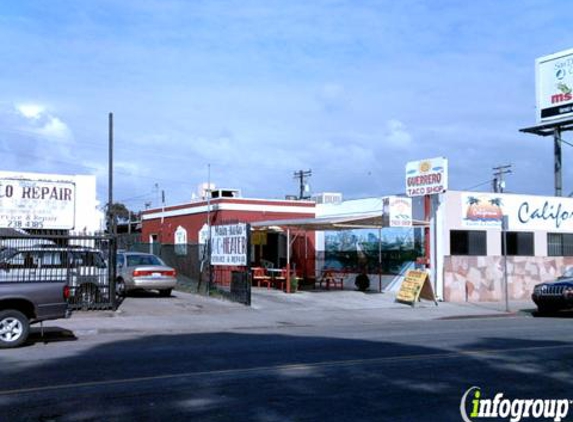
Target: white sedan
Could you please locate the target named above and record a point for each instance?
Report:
(144, 271)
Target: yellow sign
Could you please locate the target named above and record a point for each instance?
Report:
(416, 285)
(259, 238)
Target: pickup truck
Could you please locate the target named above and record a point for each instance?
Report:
(28, 302)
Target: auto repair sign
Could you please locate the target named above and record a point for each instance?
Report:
(554, 86)
(229, 244)
(427, 177)
(37, 204)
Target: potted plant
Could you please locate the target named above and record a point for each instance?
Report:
(293, 284)
(362, 282)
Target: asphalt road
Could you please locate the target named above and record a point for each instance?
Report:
(399, 371)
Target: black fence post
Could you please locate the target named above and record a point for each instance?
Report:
(248, 267)
(112, 250)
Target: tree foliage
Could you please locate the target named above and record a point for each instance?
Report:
(120, 211)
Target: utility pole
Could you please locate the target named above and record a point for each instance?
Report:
(110, 215)
(302, 175)
(498, 182)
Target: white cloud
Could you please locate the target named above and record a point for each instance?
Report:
(396, 134)
(55, 128)
(41, 122)
(30, 111)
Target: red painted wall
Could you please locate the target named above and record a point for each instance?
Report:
(194, 222)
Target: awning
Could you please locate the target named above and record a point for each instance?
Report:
(347, 222)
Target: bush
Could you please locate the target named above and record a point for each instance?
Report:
(294, 284)
(362, 282)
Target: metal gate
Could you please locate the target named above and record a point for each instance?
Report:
(86, 262)
(233, 284)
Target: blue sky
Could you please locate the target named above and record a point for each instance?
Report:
(260, 89)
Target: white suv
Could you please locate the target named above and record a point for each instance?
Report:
(84, 269)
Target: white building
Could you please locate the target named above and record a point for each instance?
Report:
(466, 249)
(469, 250)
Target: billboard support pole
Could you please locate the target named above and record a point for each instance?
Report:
(557, 160)
(556, 130)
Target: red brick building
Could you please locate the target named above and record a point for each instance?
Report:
(163, 225)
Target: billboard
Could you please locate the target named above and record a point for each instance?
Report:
(554, 86)
(37, 204)
(229, 244)
(427, 177)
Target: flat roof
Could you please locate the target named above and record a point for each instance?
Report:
(347, 222)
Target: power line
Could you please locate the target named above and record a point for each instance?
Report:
(487, 182)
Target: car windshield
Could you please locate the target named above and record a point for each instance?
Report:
(7, 253)
(135, 260)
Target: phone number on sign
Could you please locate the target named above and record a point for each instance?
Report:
(18, 224)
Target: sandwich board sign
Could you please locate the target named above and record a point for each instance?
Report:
(415, 286)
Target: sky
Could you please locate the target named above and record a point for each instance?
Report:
(245, 93)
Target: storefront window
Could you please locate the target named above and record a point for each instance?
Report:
(559, 244)
(468, 242)
(519, 243)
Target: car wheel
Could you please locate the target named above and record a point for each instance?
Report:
(120, 288)
(165, 292)
(87, 295)
(14, 328)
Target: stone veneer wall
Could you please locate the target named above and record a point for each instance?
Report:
(480, 278)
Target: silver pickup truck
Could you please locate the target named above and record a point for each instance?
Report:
(25, 303)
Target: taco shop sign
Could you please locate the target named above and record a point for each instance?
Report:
(427, 177)
(37, 204)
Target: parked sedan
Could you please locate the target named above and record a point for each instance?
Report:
(555, 295)
(143, 271)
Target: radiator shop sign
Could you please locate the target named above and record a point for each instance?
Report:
(37, 204)
(427, 177)
(229, 245)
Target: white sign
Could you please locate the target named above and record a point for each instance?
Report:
(524, 212)
(397, 211)
(37, 204)
(554, 86)
(427, 177)
(229, 244)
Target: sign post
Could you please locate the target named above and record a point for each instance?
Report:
(427, 178)
(504, 225)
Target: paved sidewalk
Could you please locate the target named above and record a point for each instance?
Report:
(184, 312)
